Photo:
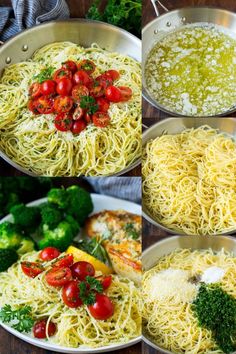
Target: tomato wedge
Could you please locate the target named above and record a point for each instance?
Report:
(64, 86)
(32, 269)
(78, 126)
(126, 93)
(97, 90)
(65, 261)
(78, 113)
(104, 80)
(106, 281)
(39, 329)
(63, 104)
(87, 65)
(62, 73)
(79, 91)
(103, 308)
(48, 87)
(101, 119)
(58, 276)
(35, 90)
(81, 77)
(49, 253)
(113, 74)
(63, 122)
(70, 65)
(44, 105)
(113, 94)
(87, 118)
(31, 107)
(70, 294)
(103, 104)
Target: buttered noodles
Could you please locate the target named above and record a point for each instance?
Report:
(168, 319)
(34, 142)
(189, 181)
(75, 326)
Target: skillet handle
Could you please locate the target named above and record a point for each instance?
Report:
(155, 4)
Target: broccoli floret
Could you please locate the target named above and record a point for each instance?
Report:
(27, 218)
(79, 203)
(51, 215)
(7, 258)
(61, 237)
(74, 224)
(58, 196)
(10, 236)
(27, 245)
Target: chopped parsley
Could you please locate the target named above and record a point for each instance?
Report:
(45, 74)
(89, 103)
(23, 321)
(88, 290)
(131, 232)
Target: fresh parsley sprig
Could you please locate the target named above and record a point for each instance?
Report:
(88, 103)
(23, 321)
(88, 290)
(45, 74)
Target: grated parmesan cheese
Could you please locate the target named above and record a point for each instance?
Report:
(212, 275)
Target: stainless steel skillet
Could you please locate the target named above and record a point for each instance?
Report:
(173, 20)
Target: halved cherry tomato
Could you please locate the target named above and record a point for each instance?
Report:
(39, 329)
(104, 80)
(70, 65)
(87, 65)
(35, 90)
(79, 91)
(49, 253)
(64, 86)
(78, 113)
(65, 261)
(82, 269)
(63, 104)
(106, 281)
(103, 308)
(101, 119)
(32, 269)
(78, 126)
(48, 87)
(31, 107)
(81, 77)
(87, 118)
(70, 294)
(63, 122)
(113, 94)
(97, 90)
(103, 104)
(126, 93)
(44, 105)
(114, 74)
(58, 276)
(62, 73)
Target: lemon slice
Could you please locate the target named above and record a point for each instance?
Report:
(83, 256)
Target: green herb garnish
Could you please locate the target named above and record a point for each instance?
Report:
(22, 317)
(93, 247)
(45, 74)
(88, 290)
(131, 232)
(216, 311)
(89, 103)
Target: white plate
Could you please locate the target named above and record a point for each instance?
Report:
(101, 202)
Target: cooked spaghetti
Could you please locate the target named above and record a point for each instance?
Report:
(189, 181)
(75, 327)
(34, 142)
(168, 319)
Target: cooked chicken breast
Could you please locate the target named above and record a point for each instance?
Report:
(121, 232)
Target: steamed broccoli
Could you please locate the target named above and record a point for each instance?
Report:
(58, 196)
(27, 245)
(27, 218)
(79, 203)
(10, 236)
(51, 215)
(7, 258)
(74, 224)
(61, 237)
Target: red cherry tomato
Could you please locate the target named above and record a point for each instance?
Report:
(58, 276)
(79, 91)
(31, 107)
(44, 105)
(70, 294)
(101, 119)
(70, 65)
(64, 86)
(49, 253)
(65, 261)
(113, 94)
(63, 122)
(39, 329)
(87, 65)
(103, 104)
(32, 269)
(82, 269)
(81, 77)
(126, 93)
(35, 90)
(78, 113)
(62, 73)
(106, 281)
(78, 126)
(87, 118)
(63, 104)
(103, 308)
(97, 90)
(104, 80)
(48, 87)
(114, 74)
